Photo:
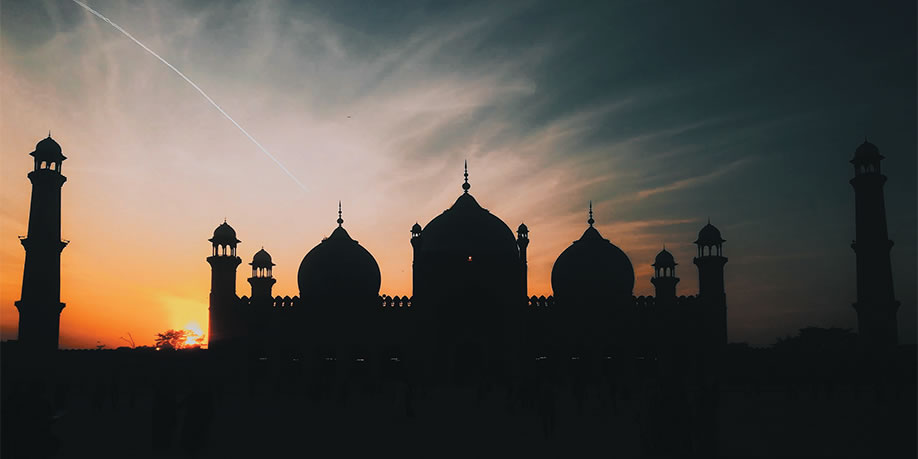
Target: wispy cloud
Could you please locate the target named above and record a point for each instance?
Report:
(696, 180)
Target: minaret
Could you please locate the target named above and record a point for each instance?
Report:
(416, 241)
(710, 262)
(262, 279)
(522, 241)
(876, 305)
(223, 263)
(664, 278)
(40, 305)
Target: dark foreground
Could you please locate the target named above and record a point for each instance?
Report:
(187, 404)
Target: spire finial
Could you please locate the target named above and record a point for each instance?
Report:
(340, 220)
(49, 135)
(709, 220)
(591, 221)
(466, 186)
(224, 219)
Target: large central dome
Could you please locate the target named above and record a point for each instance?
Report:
(469, 228)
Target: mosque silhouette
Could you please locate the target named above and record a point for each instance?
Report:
(658, 367)
(470, 310)
(470, 303)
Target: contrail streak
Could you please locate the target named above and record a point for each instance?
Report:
(125, 32)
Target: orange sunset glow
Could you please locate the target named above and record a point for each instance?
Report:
(383, 121)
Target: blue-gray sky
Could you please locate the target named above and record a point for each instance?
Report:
(663, 113)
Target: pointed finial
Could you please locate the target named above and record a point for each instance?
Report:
(709, 220)
(466, 186)
(340, 220)
(591, 221)
(49, 135)
(224, 219)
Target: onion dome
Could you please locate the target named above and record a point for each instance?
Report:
(523, 229)
(262, 259)
(339, 267)
(709, 235)
(224, 235)
(48, 150)
(664, 260)
(416, 228)
(467, 227)
(593, 267)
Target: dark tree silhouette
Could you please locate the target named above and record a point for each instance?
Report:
(178, 339)
(818, 339)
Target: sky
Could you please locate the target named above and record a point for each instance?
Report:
(664, 114)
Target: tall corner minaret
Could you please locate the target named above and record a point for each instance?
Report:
(876, 305)
(417, 241)
(262, 279)
(40, 305)
(664, 278)
(710, 262)
(223, 263)
(522, 241)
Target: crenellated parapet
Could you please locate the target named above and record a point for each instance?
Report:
(294, 302)
(542, 301)
(395, 302)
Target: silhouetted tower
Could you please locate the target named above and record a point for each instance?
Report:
(522, 241)
(710, 262)
(664, 277)
(262, 279)
(416, 243)
(876, 305)
(223, 263)
(40, 305)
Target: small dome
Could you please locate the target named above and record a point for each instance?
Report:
(416, 228)
(262, 259)
(48, 150)
(523, 229)
(866, 150)
(224, 235)
(339, 267)
(664, 260)
(709, 235)
(592, 267)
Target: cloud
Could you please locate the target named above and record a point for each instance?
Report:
(696, 180)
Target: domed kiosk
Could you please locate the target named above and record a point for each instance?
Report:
(469, 282)
(592, 281)
(340, 281)
(48, 154)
